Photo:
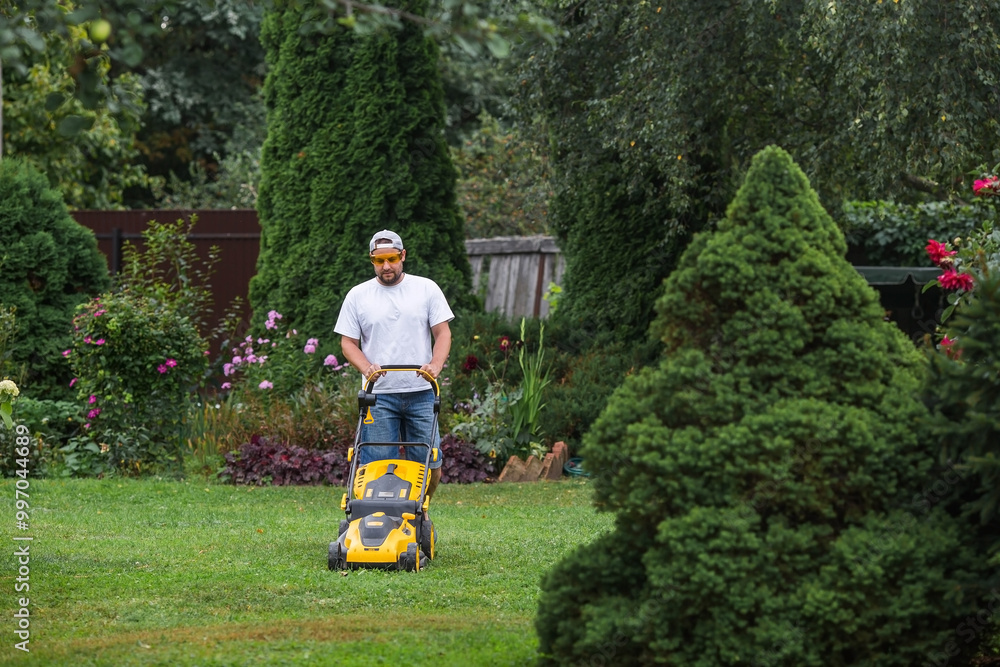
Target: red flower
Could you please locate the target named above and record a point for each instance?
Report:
(471, 363)
(951, 279)
(938, 252)
(504, 343)
(987, 186)
(948, 345)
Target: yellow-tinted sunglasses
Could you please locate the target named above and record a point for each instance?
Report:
(380, 259)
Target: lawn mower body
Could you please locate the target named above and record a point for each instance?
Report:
(386, 500)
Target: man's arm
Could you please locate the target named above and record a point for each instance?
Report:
(442, 346)
(351, 348)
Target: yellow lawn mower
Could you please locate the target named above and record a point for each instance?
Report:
(386, 500)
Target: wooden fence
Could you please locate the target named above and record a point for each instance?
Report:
(511, 274)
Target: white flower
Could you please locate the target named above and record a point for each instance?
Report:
(8, 390)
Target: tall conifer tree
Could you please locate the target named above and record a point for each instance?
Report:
(355, 144)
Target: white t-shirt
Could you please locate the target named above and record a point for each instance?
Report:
(393, 325)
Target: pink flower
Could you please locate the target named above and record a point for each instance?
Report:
(92, 399)
(86, 425)
(987, 186)
(73, 381)
(99, 341)
(100, 312)
(66, 353)
(938, 252)
(312, 341)
(171, 362)
(265, 385)
(161, 368)
(951, 279)
(309, 348)
(272, 316)
(330, 360)
(86, 339)
(93, 413)
(227, 369)
(237, 361)
(226, 385)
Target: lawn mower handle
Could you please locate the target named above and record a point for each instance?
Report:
(371, 380)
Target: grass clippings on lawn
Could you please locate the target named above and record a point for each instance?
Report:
(147, 572)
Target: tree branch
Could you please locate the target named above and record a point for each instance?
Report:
(930, 187)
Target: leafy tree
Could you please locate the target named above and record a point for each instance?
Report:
(49, 264)
(201, 73)
(884, 100)
(355, 144)
(88, 154)
(770, 476)
(503, 182)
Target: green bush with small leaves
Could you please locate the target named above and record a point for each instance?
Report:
(771, 476)
(49, 265)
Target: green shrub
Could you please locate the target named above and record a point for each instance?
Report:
(769, 476)
(136, 364)
(882, 233)
(583, 383)
(8, 334)
(50, 425)
(964, 388)
(48, 265)
(139, 354)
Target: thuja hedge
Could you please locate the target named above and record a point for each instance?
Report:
(355, 144)
(49, 265)
(770, 475)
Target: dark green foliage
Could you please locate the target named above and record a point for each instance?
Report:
(137, 361)
(355, 144)
(49, 264)
(882, 233)
(966, 396)
(617, 252)
(50, 424)
(769, 476)
(583, 380)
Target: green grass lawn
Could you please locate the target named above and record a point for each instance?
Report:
(146, 572)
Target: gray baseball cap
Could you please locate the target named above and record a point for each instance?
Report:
(397, 242)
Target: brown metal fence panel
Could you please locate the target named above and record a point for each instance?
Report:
(235, 232)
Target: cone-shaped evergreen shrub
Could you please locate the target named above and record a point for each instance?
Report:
(49, 264)
(355, 144)
(769, 475)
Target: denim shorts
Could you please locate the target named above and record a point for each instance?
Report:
(407, 417)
